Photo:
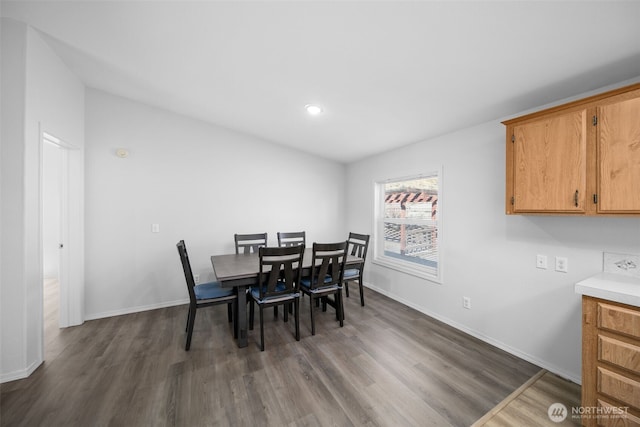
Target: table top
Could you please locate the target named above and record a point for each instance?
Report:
(246, 266)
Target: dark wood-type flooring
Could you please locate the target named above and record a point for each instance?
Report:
(389, 366)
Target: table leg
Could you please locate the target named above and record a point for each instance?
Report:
(242, 316)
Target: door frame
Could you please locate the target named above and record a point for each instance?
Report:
(71, 267)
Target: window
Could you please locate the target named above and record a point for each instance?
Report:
(407, 233)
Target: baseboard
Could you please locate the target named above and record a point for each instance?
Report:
(131, 310)
(20, 374)
(489, 340)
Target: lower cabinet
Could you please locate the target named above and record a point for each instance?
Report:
(610, 363)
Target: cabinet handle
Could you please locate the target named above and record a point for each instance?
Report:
(575, 198)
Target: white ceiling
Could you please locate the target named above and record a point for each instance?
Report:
(387, 73)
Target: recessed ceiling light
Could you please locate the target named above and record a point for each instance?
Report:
(313, 109)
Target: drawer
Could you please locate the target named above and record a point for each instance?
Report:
(619, 353)
(619, 387)
(615, 416)
(619, 319)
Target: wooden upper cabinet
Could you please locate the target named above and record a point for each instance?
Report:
(619, 154)
(581, 158)
(550, 160)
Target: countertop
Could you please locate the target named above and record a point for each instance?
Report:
(612, 287)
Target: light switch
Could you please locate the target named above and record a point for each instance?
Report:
(155, 228)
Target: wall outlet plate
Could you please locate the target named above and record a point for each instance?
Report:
(541, 261)
(466, 302)
(624, 264)
(562, 264)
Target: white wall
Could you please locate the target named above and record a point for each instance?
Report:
(43, 93)
(12, 292)
(200, 183)
(490, 257)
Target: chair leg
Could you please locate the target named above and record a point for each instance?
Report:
(190, 322)
(342, 304)
(361, 292)
(251, 309)
(229, 313)
(346, 288)
(313, 325)
(296, 304)
(275, 312)
(261, 329)
(340, 307)
(186, 328)
(286, 312)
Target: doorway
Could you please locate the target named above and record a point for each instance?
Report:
(51, 239)
(62, 236)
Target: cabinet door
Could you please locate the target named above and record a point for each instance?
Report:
(619, 155)
(550, 161)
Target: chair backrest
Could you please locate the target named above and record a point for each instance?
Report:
(280, 270)
(328, 264)
(292, 239)
(248, 243)
(358, 246)
(186, 267)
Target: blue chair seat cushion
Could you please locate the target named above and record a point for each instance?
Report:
(211, 290)
(305, 284)
(351, 273)
(322, 289)
(306, 281)
(255, 293)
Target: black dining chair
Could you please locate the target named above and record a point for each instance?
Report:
(278, 281)
(204, 295)
(358, 246)
(292, 238)
(249, 243)
(326, 277)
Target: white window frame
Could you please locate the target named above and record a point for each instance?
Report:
(379, 256)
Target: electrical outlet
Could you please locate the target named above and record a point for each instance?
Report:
(196, 278)
(466, 302)
(562, 264)
(541, 261)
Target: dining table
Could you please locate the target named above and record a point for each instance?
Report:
(241, 271)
